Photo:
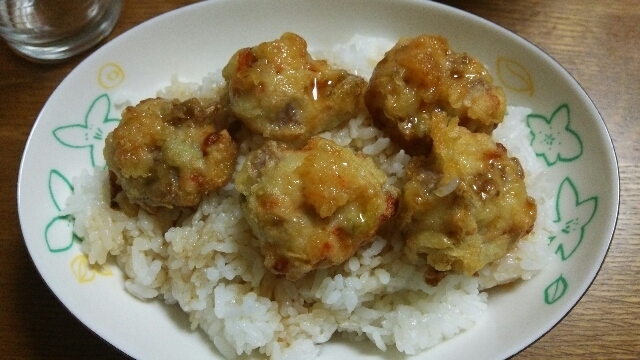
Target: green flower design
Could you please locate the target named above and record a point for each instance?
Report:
(553, 139)
(58, 233)
(97, 124)
(574, 215)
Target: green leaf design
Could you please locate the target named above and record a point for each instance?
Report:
(553, 138)
(556, 290)
(92, 131)
(59, 234)
(59, 188)
(574, 215)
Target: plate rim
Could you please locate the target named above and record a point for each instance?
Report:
(193, 7)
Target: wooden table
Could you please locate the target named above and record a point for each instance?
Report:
(596, 41)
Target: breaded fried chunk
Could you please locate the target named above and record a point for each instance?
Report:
(168, 153)
(421, 81)
(278, 90)
(464, 205)
(314, 207)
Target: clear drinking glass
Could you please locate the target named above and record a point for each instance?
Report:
(52, 30)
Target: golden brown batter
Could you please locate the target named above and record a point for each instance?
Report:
(168, 153)
(466, 204)
(421, 77)
(314, 207)
(279, 91)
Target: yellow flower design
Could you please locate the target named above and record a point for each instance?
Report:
(515, 76)
(110, 75)
(85, 272)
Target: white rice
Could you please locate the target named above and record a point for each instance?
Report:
(209, 266)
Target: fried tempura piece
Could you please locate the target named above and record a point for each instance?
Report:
(278, 90)
(466, 204)
(314, 207)
(421, 77)
(168, 153)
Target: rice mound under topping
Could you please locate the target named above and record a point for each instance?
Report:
(210, 266)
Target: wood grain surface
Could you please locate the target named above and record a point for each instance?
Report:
(596, 41)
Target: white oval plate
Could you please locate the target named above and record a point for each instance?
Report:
(569, 135)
